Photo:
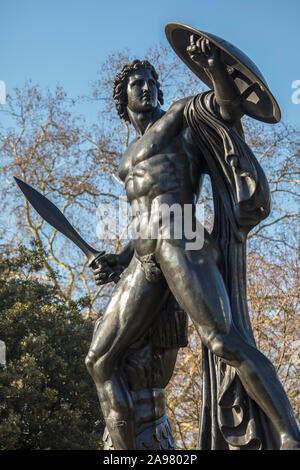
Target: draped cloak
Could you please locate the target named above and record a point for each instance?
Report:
(230, 419)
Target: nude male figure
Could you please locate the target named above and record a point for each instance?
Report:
(162, 165)
(148, 366)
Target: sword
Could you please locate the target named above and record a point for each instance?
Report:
(51, 214)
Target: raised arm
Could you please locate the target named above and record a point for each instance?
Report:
(228, 97)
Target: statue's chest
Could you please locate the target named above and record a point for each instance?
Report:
(144, 149)
(148, 146)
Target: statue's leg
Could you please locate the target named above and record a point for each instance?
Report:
(130, 312)
(197, 285)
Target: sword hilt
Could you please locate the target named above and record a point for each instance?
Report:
(112, 276)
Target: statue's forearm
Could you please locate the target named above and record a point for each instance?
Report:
(227, 93)
(126, 254)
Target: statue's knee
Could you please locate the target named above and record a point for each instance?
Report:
(217, 347)
(90, 361)
(221, 347)
(98, 366)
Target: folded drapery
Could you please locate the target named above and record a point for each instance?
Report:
(229, 417)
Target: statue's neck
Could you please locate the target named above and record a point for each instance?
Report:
(143, 121)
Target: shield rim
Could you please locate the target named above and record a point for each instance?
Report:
(200, 72)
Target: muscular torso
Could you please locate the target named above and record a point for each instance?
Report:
(161, 166)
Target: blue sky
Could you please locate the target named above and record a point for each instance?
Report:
(64, 41)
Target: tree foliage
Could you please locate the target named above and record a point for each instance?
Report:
(47, 397)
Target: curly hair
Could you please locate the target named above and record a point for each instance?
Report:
(120, 84)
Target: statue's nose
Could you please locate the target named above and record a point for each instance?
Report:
(146, 86)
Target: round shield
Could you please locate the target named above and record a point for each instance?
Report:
(259, 102)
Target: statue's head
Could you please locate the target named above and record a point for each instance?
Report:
(137, 87)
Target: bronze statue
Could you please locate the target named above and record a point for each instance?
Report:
(148, 366)
(244, 404)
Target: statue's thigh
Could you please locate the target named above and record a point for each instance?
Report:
(132, 309)
(197, 285)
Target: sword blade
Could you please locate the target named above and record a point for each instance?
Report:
(51, 214)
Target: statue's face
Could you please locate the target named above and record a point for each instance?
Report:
(141, 91)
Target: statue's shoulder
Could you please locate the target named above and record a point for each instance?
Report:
(177, 106)
(175, 114)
